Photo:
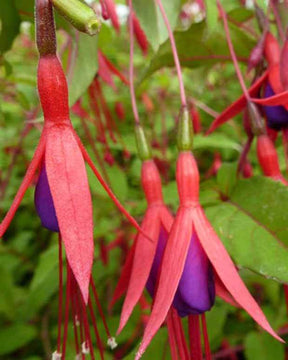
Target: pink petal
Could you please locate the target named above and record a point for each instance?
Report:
(69, 187)
(142, 263)
(170, 274)
(226, 270)
(237, 105)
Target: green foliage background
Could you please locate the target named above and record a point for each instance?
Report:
(252, 221)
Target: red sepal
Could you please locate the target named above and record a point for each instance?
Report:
(69, 188)
(237, 106)
(29, 175)
(170, 273)
(226, 270)
(143, 259)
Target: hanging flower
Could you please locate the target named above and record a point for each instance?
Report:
(191, 225)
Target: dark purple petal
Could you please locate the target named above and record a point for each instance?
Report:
(277, 116)
(44, 203)
(151, 282)
(196, 290)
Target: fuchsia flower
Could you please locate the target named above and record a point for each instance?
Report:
(60, 156)
(157, 222)
(275, 93)
(191, 229)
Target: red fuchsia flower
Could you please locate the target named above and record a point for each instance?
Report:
(271, 75)
(191, 229)
(60, 157)
(157, 222)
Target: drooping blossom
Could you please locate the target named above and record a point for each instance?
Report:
(190, 224)
(62, 156)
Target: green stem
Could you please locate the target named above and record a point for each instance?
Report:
(79, 14)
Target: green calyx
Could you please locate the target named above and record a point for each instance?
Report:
(79, 14)
(185, 131)
(143, 147)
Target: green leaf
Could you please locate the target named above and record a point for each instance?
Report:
(215, 141)
(15, 336)
(44, 283)
(158, 346)
(7, 303)
(226, 177)
(215, 324)
(261, 346)
(196, 49)
(254, 228)
(152, 21)
(10, 23)
(85, 67)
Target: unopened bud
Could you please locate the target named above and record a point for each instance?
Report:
(79, 14)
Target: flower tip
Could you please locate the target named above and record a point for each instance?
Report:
(139, 354)
(123, 321)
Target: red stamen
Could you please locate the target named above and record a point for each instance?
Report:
(100, 308)
(60, 301)
(195, 337)
(66, 317)
(171, 336)
(94, 324)
(205, 338)
(180, 337)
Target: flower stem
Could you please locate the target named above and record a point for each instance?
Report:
(175, 53)
(131, 68)
(232, 52)
(45, 28)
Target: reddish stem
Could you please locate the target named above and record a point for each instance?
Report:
(131, 67)
(278, 20)
(232, 52)
(175, 53)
